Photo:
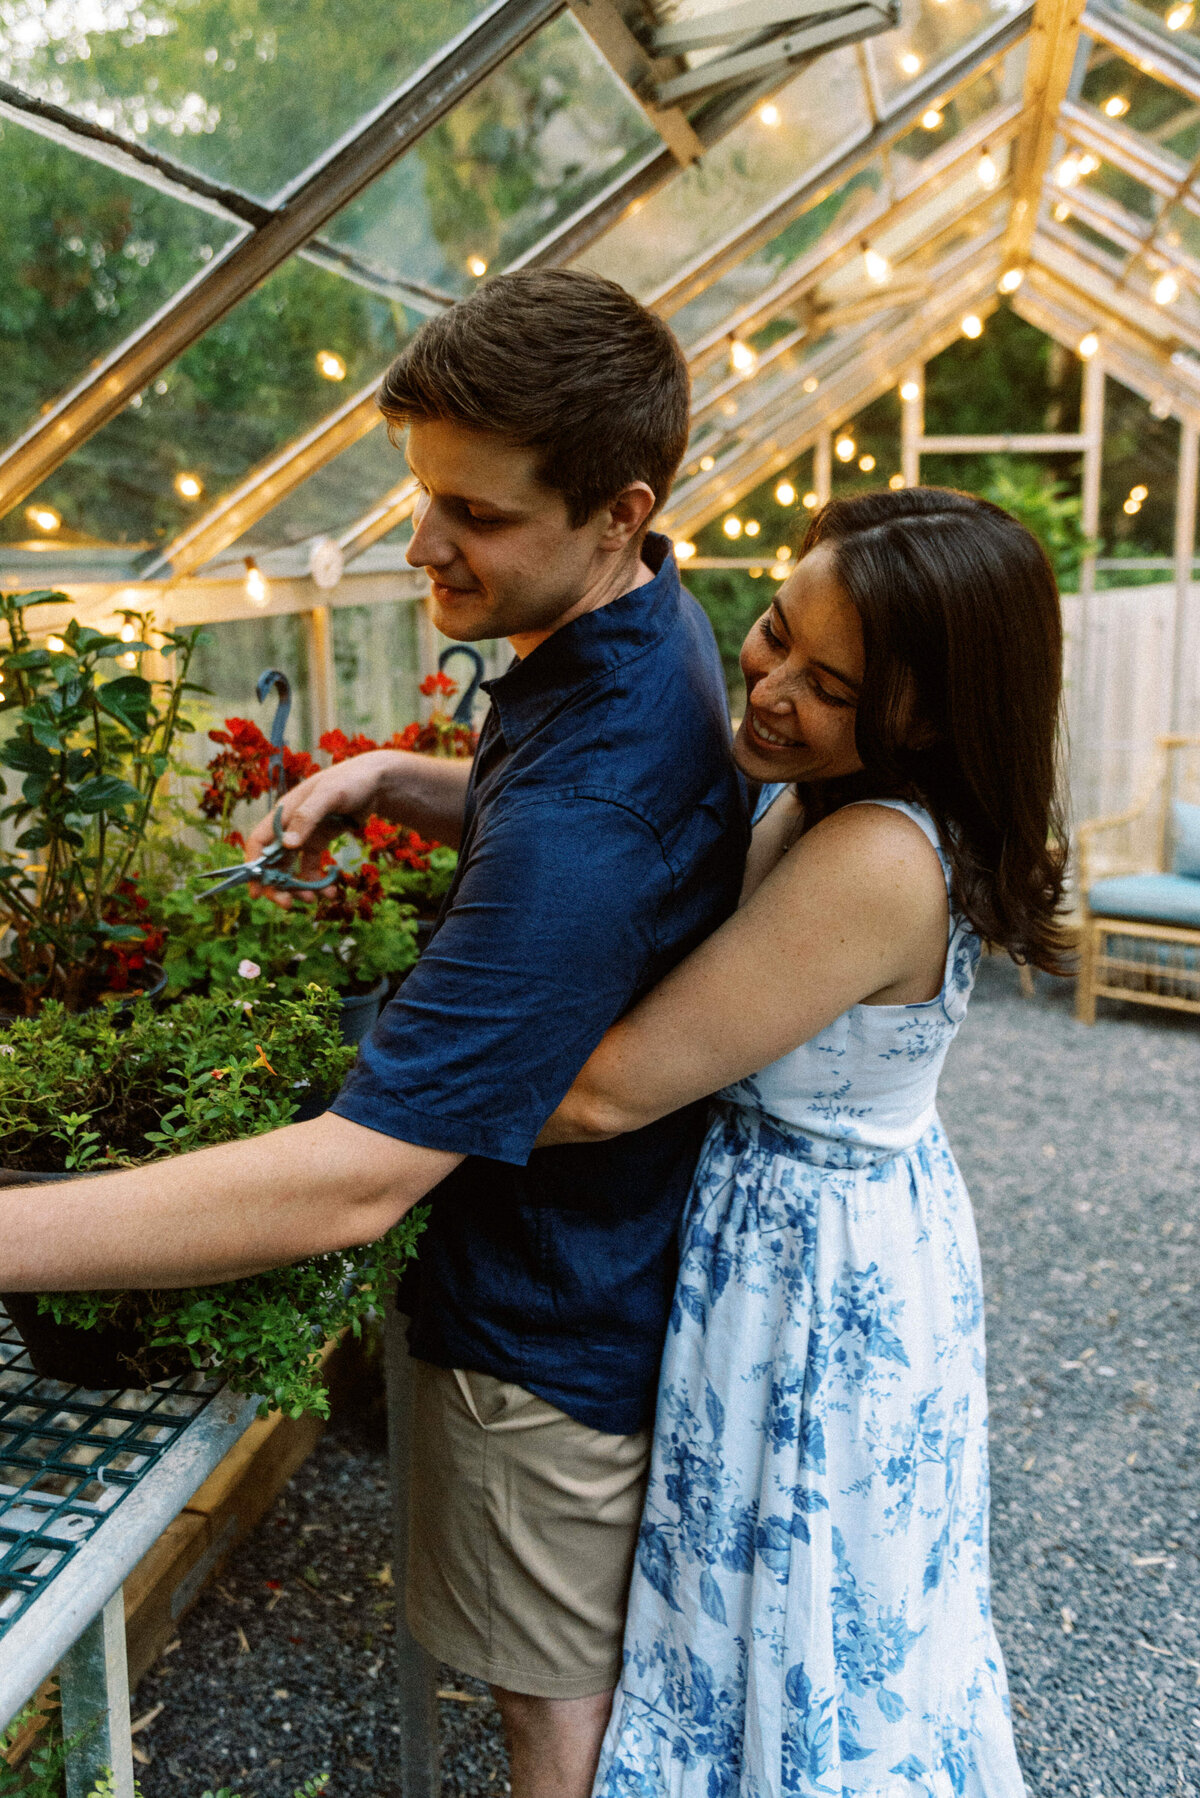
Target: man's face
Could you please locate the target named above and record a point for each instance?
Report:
(502, 558)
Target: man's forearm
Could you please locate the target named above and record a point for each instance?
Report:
(216, 1214)
(425, 792)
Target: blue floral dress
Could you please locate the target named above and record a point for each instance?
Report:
(809, 1611)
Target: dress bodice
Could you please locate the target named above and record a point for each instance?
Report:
(870, 1078)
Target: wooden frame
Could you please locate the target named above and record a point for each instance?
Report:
(1166, 973)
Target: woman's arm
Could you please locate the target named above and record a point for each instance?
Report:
(857, 910)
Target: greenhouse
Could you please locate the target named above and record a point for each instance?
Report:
(901, 246)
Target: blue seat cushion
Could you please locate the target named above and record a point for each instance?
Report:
(1149, 898)
(1185, 839)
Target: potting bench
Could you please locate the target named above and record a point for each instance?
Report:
(88, 1482)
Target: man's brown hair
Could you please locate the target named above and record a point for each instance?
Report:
(561, 362)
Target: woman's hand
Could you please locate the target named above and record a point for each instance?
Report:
(855, 913)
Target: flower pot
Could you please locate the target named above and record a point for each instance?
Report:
(151, 984)
(360, 1010)
(103, 1360)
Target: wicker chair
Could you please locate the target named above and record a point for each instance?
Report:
(1139, 880)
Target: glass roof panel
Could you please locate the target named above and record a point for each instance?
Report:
(86, 255)
(1181, 232)
(248, 93)
(519, 154)
(330, 500)
(1091, 241)
(819, 109)
(1129, 97)
(939, 125)
(237, 396)
(1133, 197)
(1185, 37)
(929, 33)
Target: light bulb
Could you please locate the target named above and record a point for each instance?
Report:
(866, 463)
(1165, 290)
(769, 115)
(1179, 16)
(810, 502)
(1131, 506)
(755, 573)
(330, 365)
(476, 266)
(128, 661)
(932, 119)
(55, 645)
(128, 631)
(1062, 212)
(1068, 171)
(44, 517)
(895, 482)
(783, 553)
(972, 325)
(785, 494)
(1011, 279)
(707, 462)
(910, 391)
(684, 550)
(878, 267)
(987, 170)
(844, 449)
(910, 63)
(1116, 106)
(742, 356)
(1089, 345)
(189, 486)
(732, 526)
(1088, 164)
(752, 527)
(780, 572)
(810, 383)
(1139, 493)
(256, 586)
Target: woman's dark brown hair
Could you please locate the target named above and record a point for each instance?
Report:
(959, 707)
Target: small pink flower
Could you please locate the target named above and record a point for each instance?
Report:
(249, 970)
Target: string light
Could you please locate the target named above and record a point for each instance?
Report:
(1088, 164)
(769, 115)
(1062, 212)
(866, 463)
(755, 574)
(810, 383)
(932, 120)
(330, 365)
(1139, 494)
(477, 266)
(1132, 506)
(128, 661)
(910, 391)
(895, 482)
(1068, 171)
(1011, 279)
(780, 572)
(972, 325)
(1116, 106)
(44, 517)
(910, 63)
(256, 586)
(877, 266)
(684, 550)
(189, 486)
(987, 169)
(752, 527)
(810, 502)
(844, 449)
(1179, 16)
(707, 462)
(785, 494)
(742, 356)
(55, 645)
(1165, 290)
(1089, 345)
(783, 553)
(128, 631)
(732, 526)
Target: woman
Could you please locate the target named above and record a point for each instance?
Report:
(810, 1610)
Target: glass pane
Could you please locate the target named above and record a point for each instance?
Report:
(248, 93)
(522, 152)
(820, 109)
(1182, 233)
(376, 657)
(1089, 238)
(929, 34)
(939, 125)
(1184, 37)
(230, 663)
(86, 255)
(1135, 101)
(1131, 195)
(796, 244)
(328, 501)
(249, 386)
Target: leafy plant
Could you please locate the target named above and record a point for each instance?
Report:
(91, 752)
(79, 1093)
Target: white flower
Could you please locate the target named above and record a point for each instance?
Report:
(7, 1049)
(249, 970)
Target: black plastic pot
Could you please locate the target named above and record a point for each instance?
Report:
(103, 1360)
(360, 1010)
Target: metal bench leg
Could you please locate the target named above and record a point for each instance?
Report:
(93, 1684)
(420, 1771)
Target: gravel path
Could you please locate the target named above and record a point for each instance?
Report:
(1082, 1151)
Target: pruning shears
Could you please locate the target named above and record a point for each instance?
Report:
(268, 869)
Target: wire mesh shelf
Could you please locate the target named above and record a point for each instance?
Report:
(67, 1459)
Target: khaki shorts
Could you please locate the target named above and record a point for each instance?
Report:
(523, 1526)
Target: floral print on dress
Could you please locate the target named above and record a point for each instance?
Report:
(810, 1611)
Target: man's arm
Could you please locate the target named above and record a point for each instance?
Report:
(425, 792)
(216, 1214)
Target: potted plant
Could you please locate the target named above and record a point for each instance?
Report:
(89, 744)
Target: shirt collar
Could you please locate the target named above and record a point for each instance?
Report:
(588, 648)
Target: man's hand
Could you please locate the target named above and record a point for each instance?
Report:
(426, 793)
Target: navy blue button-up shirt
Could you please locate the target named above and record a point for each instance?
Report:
(605, 834)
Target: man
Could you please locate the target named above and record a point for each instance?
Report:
(602, 834)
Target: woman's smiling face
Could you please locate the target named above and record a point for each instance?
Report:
(803, 664)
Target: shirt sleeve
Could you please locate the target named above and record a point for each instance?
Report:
(551, 936)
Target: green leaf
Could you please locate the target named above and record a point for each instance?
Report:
(26, 757)
(128, 701)
(105, 793)
(29, 658)
(37, 838)
(33, 787)
(45, 733)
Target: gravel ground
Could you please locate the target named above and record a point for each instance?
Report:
(1082, 1151)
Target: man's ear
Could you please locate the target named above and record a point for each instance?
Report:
(627, 513)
